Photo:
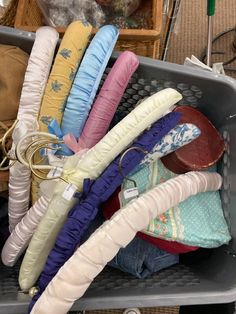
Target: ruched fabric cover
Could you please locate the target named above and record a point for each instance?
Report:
(115, 141)
(179, 136)
(86, 210)
(74, 278)
(86, 82)
(191, 221)
(112, 205)
(35, 80)
(107, 100)
(21, 235)
(91, 165)
(69, 55)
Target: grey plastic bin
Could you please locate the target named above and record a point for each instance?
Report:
(211, 281)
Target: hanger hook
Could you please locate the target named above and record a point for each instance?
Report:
(122, 158)
(7, 167)
(34, 171)
(4, 138)
(37, 143)
(44, 138)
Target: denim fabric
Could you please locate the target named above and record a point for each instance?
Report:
(139, 258)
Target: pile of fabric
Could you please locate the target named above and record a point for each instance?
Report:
(91, 185)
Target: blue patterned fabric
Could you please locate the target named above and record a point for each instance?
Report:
(94, 194)
(179, 136)
(86, 82)
(198, 221)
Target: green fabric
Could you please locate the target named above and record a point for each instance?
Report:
(198, 221)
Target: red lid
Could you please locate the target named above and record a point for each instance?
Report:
(200, 154)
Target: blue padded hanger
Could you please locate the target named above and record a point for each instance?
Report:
(86, 82)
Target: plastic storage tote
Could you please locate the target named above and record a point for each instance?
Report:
(213, 280)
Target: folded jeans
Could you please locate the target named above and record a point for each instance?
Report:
(139, 258)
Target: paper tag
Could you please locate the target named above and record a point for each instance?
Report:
(130, 193)
(69, 192)
(44, 152)
(55, 172)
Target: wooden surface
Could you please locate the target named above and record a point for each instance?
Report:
(143, 42)
(8, 17)
(29, 18)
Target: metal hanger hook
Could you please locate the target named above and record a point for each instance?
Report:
(4, 138)
(40, 146)
(122, 158)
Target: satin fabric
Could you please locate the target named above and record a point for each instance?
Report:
(179, 136)
(35, 80)
(91, 165)
(139, 258)
(19, 239)
(74, 278)
(69, 55)
(68, 58)
(112, 205)
(86, 209)
(86, 82)
(107, 101)
(198, 221)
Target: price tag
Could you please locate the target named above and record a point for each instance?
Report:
(69, 192)
(130, 193)
(55, 172)
(44, 152)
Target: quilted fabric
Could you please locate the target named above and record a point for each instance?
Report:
(172, 247)
(91, 165)
(107, 100)
(74, 278)
(35, 80)
(86, 82)
(84, 212)
(69, 55)
(198, 221)
(180, 136)
(112, 205)
(20, 237)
